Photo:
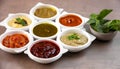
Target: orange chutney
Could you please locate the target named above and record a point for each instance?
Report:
(70, 20)
(15, 41)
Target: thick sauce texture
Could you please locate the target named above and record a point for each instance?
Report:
(15, 41)
(70, 20)
(44, 30)
(45, 12)
(45, 49)
(74, 42)
(12, 22)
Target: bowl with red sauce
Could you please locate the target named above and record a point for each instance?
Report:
(15, 41)
(70, 20)
(45, 51)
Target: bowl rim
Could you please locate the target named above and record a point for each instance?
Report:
(111, 32)
(80, 31)
(65, 14)
(39, 58)
(11, 16)
(32, 10)
(15, 50)
(103, 36)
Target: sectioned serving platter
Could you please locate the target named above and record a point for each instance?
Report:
(55, 19)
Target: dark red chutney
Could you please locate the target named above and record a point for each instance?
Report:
(45, 49)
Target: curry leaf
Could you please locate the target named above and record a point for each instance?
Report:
(104, 13)
(113, 25)
(21, 21)
(73, 36)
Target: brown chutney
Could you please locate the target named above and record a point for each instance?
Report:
(45, 49)
(45, 12)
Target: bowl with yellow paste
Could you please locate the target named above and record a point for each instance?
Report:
(44, 11)
(75, 39)
(18, 21)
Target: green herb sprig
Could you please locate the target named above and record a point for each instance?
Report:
(21, 21)
(98, 23)
(73, 36)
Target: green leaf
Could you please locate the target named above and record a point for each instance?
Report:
(73, 36)
(103, 13)
(98, 23)
(21, 21)
(113, 25)
(93, 16)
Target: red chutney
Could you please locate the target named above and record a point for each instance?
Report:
(15, 41)
(70, 20)
(45, 49)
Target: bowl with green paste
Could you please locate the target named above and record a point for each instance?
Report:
(44, 29)
(44, 11)
(75, 39)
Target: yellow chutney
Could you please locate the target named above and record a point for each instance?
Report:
(19, 22)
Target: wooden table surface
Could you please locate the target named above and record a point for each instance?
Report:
(100, 55)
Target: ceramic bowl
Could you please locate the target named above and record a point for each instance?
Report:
(41, 5)
(44, 30)
(65, 14)
(15, 50)
(5, 23)
(90, 39)
(42, 59)
(103, 36)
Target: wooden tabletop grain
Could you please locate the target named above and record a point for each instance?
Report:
(100, 55)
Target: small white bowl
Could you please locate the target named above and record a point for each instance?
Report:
(15, 50)
(42, 22)
(16, 15)
(45, 60)
(40, 5)
(66, 14)
(76, 48)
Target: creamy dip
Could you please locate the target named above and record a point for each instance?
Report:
(74, 39)
(13, 21)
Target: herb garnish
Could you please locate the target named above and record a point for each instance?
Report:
(73, 36)
(21, 21)
(98, 23)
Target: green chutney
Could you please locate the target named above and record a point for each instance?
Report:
(44, 30)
